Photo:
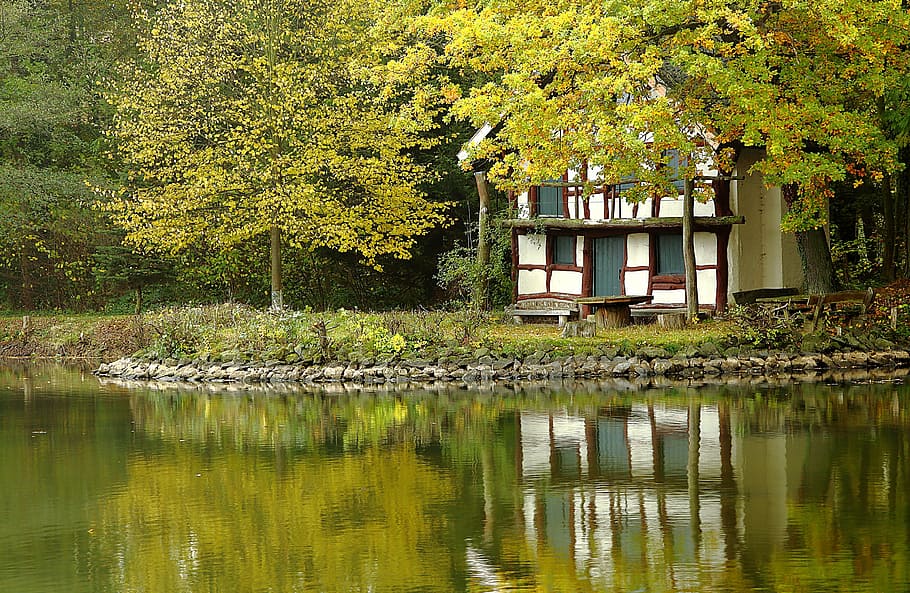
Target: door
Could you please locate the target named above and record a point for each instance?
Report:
(609, 253)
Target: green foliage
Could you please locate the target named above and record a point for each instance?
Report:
(617, 84)
(244, 115)
(463, 277)
(50, 56)
(760, 327)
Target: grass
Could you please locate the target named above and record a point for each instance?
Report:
(232, 331)
(238, 331)
(633, 335)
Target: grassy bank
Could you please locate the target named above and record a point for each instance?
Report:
(236, 331)
(232, 332)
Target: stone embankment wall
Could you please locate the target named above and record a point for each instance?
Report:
(649, 362)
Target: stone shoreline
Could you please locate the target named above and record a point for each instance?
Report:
(488, 368)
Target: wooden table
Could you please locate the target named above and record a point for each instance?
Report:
(612, 311)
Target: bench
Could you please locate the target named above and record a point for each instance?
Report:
(750, 297)
(562, 310)
(850, 303)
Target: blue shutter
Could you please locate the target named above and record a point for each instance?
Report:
(669, 254)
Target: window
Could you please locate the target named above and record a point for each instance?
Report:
(549, 200)
(674, 165)
(668, 249)
(564, 250)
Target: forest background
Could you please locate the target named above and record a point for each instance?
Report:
(84, 97)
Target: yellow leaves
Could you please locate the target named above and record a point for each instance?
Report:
(245, 121)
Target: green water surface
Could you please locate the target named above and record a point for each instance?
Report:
(158, 488)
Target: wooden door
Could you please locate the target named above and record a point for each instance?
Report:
(609, 254)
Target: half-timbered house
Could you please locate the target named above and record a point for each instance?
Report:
(566, 245)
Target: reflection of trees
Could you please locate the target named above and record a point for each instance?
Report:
(367, 522)
(60, 451)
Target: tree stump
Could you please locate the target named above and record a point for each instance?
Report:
(610, 317)
(672, 320)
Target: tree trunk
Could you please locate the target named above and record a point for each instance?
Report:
(814, 252)
(888, 250)
(815, 256)
(277, 293)
(483, 240)
(902, 197)
(689, 253)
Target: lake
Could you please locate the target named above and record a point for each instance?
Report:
(107, 487)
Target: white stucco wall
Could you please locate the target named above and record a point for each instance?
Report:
(637, 282)
(705, 248)
(669, 296)
(671, 207)
(579, 249)
(637, 252)
(706, 281)
(532, 281)
(532, 250)
(760, 255)
(565, 281)
(598, 211)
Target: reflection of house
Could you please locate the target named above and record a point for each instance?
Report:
(643, 490)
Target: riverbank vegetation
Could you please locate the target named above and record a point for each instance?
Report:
(230, 332)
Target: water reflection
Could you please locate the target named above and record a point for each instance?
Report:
(538, 488)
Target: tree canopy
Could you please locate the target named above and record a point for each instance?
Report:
(245, 115)
(619, 83)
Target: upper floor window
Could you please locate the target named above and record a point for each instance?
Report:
(677, 167)
(549, 199)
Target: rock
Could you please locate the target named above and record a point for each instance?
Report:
(642, 369)
(471, 376)
(650, 353)
(708, 349)
(333, 373)
(804, 362)
(881, 359)
(710, 369)
(662, 366)
(730, 365)
(535, 358)
(857, 359)
(622, 368)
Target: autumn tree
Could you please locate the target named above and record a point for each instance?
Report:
(252, 117)
(619, 83)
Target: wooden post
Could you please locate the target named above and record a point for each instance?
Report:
(483, 236)
(688, 221)
(275, 252)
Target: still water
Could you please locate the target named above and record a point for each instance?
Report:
(113, 488)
